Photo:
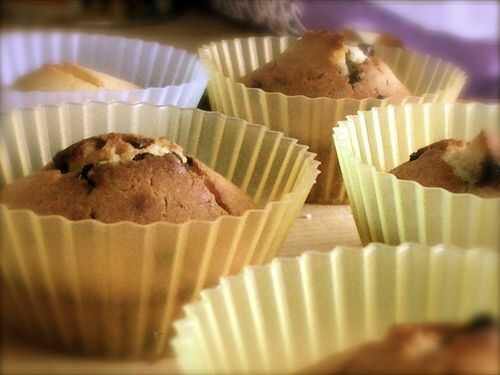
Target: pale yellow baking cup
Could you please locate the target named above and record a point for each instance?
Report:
(284, 316)
(114, 289)
(393, 211)
(310, 120)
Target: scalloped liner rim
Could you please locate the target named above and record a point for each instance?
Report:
(309, 158)
(370, 248)
(193, 56)
(204, 53)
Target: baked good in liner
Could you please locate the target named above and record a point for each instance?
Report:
(440, 348)
(69, 77)
(124, 177)
(326, 64)
(457, 166)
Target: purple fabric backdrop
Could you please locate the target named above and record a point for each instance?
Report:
(464, 32)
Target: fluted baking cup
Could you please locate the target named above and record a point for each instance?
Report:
(310, 120)
(284, 316)
(169, 76)
(390, 210)
(114, 289)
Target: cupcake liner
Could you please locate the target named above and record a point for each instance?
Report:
(115, 289)
(393, 211)
(169, 76)
(284, 316)
(310, 120)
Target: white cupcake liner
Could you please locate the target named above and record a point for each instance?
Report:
(310, 120)
(284, 316)
(114, 289)
(393, 211)
(169, 76)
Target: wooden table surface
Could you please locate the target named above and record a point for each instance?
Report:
(319, 228)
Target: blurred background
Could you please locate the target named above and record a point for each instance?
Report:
(464, 32)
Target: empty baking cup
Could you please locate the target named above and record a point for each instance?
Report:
(169, 76)
(114, 289)
(390, 210)
(307, 119)
(284, 316)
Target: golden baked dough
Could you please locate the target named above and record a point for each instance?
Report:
(323, 64)
(124, 177)
(410, 349)
(69, 77)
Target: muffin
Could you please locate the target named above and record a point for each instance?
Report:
(440, 348)
(69, 77)
(55, 67)
(446, 194)
(301, 87)
(457, 166)
(110, 286)
(125, 177)
(326, 64)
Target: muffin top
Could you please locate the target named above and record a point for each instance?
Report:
(69, 77)
(451, 349)
(125, 177)
(457, 166)
(325, 64)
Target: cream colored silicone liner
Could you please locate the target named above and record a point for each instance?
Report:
(114, 289)
(284, 316)
(392, 211)
(310, 120)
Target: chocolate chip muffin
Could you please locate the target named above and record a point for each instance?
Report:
(326, 64)
(125, 177)
(457, 166)
(69, 77)
(450, 349)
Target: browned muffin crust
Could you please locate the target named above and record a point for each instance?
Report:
(451, 349)
(457, 166)
(323, 64)
(125, 177)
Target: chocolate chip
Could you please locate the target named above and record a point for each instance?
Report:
(417, 154)
(354, 73)
(142, 156)
(61, 164)
(354, 77)
(60, 159)
(490, 172)
(380, 97)
(85, 175)
(367, 49)
(190, 161)
(479, 323)
(137, 142)
(99, 143)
